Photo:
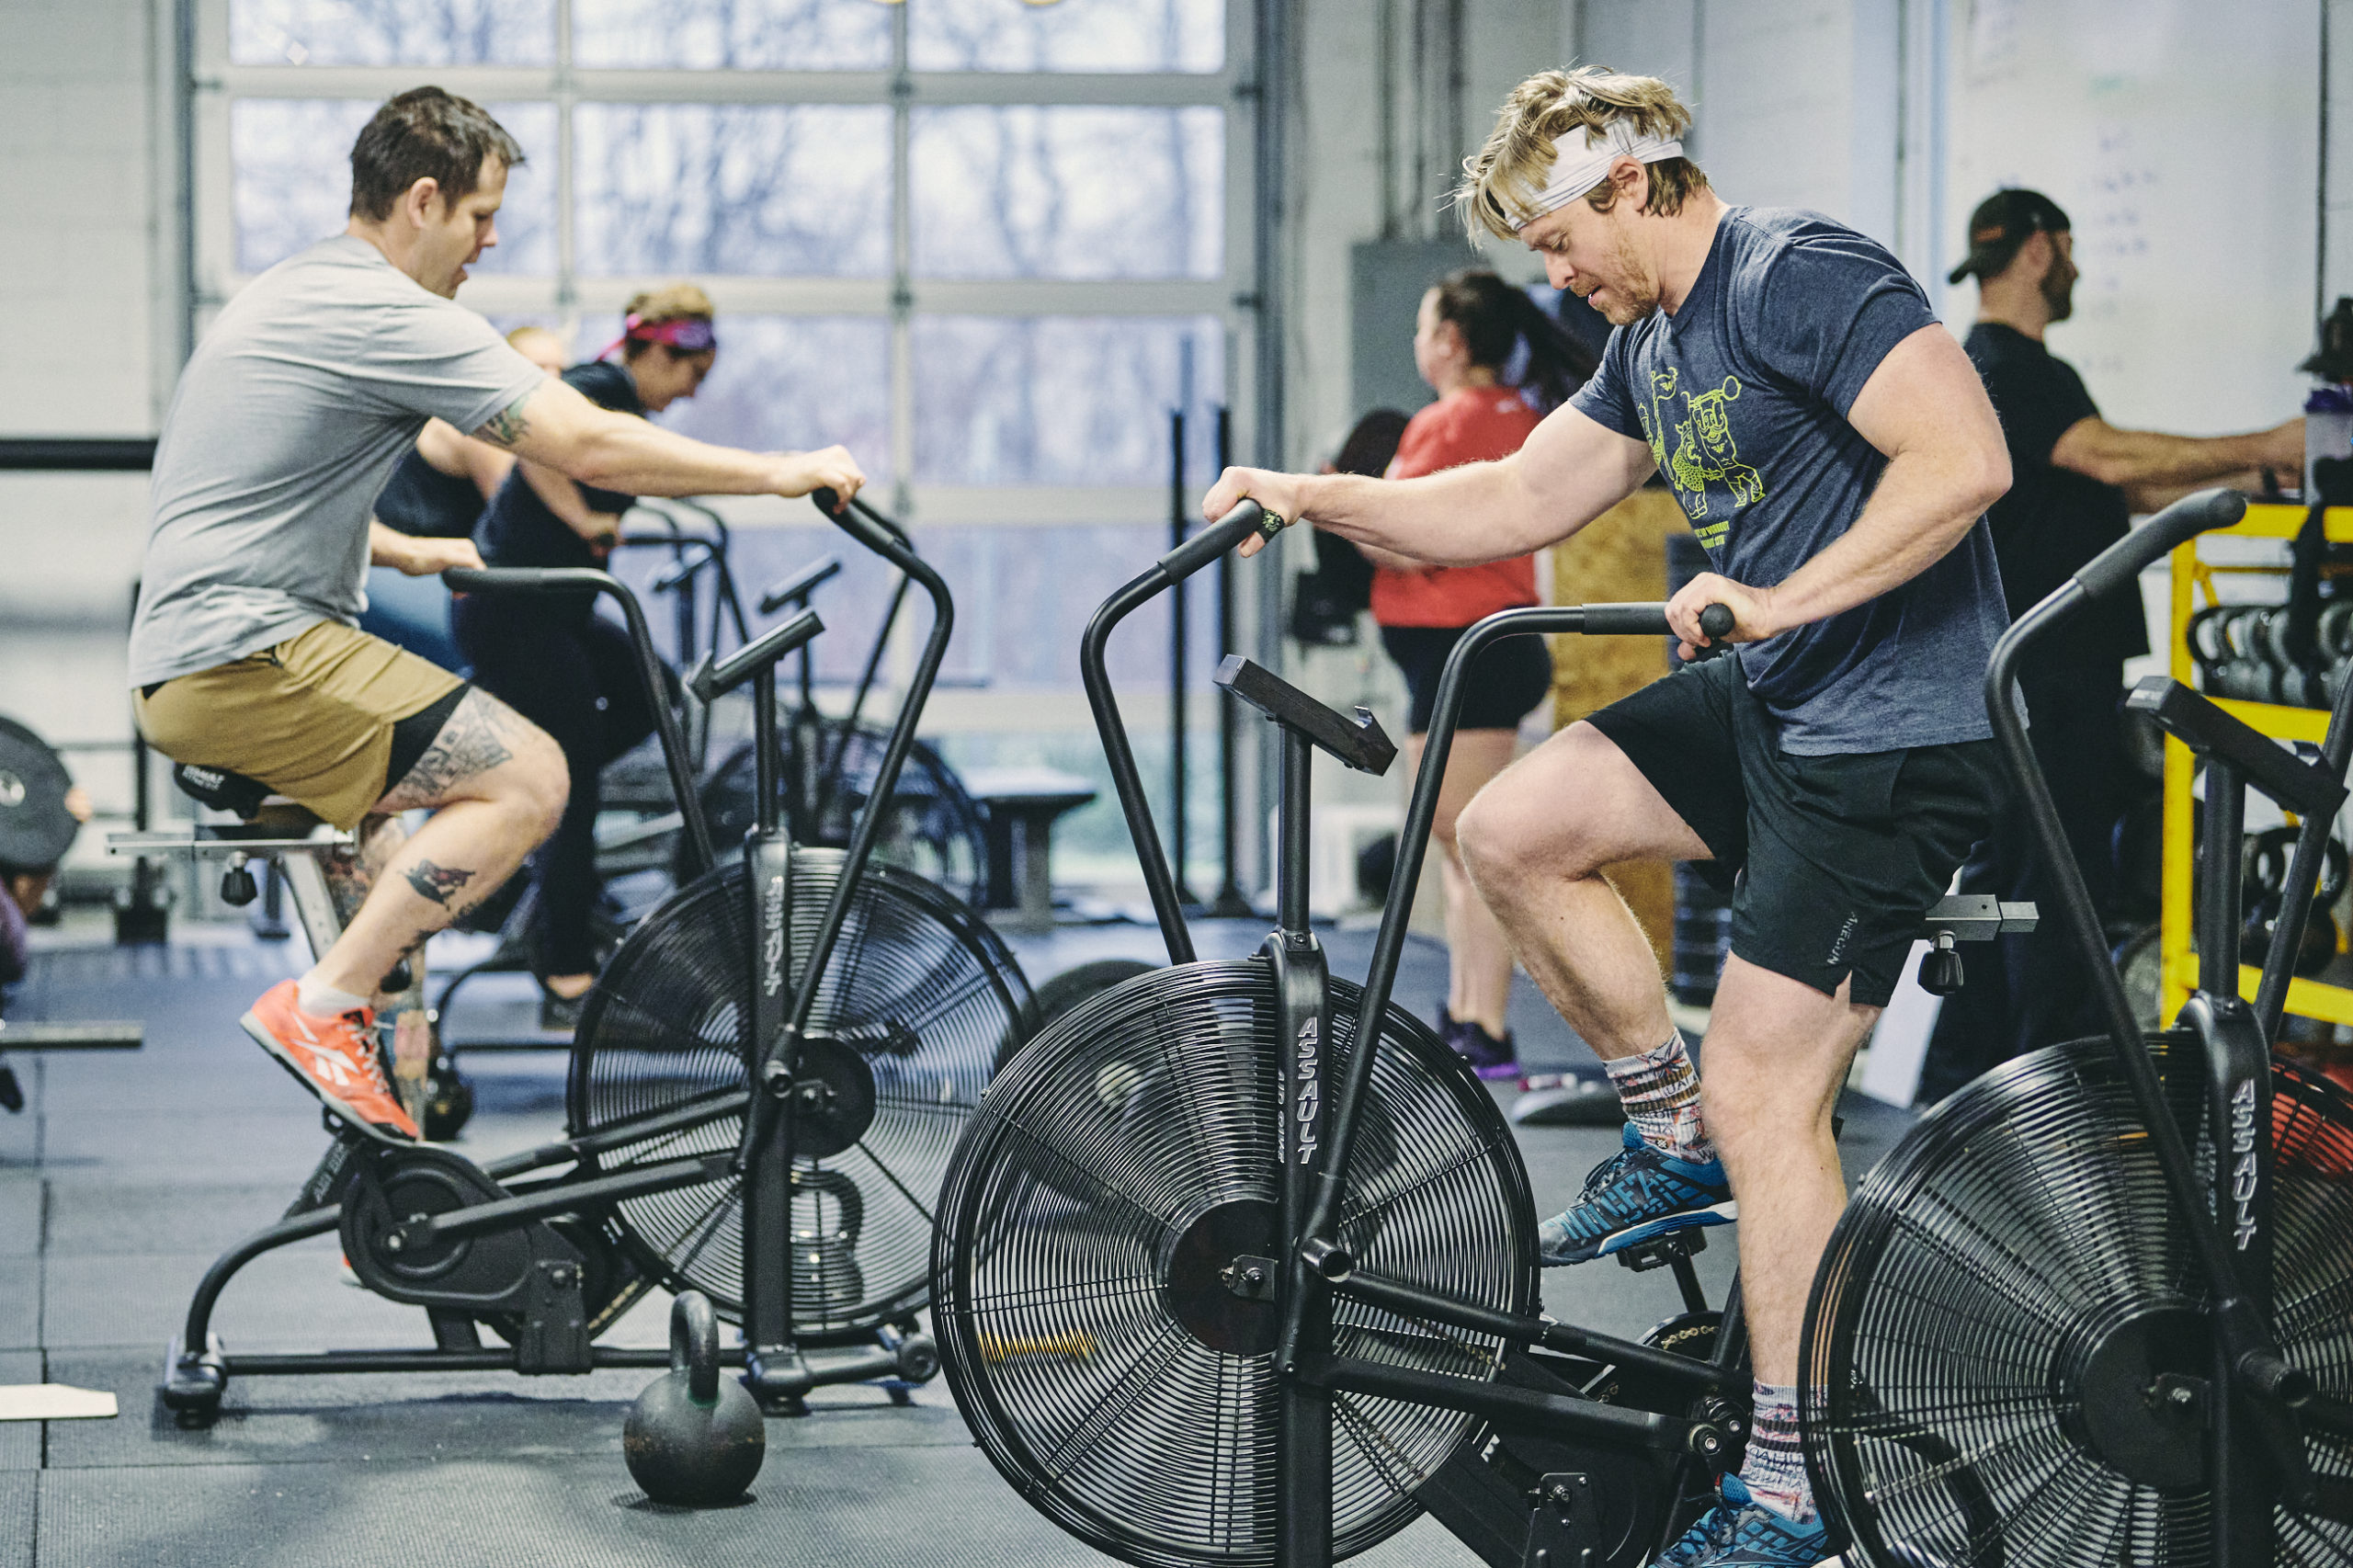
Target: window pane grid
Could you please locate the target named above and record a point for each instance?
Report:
(987, 256)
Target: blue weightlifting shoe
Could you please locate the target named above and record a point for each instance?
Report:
(1741, 1532)
(1634, 1194)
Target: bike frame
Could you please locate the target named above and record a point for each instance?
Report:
(1321, 1108)
(778, 1006)
(2257, 1402)
(777, 1019)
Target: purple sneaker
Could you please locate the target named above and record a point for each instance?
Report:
(1489, 1057)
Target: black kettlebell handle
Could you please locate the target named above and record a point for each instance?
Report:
(694, 1346)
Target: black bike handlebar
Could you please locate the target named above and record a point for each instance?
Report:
(709, 682)
(796, 588)
(860, 521)
(1246, 518)
(685, 566)
(2122, 561)
(579, 580)
(1716, 622)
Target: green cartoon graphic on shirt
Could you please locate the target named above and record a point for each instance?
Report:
(1704, 451)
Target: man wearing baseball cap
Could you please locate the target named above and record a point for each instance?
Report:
(2077, 482)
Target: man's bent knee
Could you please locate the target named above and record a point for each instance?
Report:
(1482, 833)
(542, 780)
(1521, 829)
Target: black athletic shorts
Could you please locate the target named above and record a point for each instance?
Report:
(1831, 860)
(1505, 685)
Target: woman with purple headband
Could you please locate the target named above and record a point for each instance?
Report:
(553, 659)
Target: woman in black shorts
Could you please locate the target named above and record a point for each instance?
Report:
(553, 659)
(1498, 364)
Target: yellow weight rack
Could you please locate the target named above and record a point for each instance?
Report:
(2193, 580)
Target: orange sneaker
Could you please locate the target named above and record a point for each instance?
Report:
(334, 1057)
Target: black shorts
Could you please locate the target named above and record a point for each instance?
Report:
(1831, 860)
(1505, 685)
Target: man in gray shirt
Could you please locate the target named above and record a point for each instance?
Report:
(245, 654)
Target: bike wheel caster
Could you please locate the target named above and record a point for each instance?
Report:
(918, 1358)
(193, 1384)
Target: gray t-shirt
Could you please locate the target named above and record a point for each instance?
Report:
(291, 414)
(1742, 396)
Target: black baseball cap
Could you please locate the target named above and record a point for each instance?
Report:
(2001, 224)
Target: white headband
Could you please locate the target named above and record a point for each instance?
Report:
(1578, 167)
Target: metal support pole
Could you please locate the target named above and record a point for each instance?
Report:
(1177, 622)
(1231, 903)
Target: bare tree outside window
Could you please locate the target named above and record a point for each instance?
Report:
(391, 32)
(731, 35)
(290, 163)
(1055, 400)
(750, 190)
(1024, 191)
(1072, 35)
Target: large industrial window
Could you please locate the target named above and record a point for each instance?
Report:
(989, 245)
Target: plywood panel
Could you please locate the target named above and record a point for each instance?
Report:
(1620, 556)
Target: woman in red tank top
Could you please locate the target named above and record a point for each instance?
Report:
(1498, 364)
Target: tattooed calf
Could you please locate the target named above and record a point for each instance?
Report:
(439, 884)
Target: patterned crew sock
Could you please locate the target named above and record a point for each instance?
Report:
(1774, 1470)
(1660, 1090)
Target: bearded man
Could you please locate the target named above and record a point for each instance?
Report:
(2075, 483)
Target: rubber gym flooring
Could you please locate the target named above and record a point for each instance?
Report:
(127, 1173)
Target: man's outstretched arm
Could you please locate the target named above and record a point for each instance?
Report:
(1570, 471)
(557, 426)
(1925, 410)
(2154, 468)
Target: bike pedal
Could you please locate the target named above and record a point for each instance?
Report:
(1664, 1252)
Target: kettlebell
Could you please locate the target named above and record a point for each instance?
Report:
(694, 1439)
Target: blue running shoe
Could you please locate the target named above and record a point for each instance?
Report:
(1632, 1196)
(1741, 1532)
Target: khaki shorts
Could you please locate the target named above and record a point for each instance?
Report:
(311, 717)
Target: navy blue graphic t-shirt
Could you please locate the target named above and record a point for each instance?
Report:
(1742, 396)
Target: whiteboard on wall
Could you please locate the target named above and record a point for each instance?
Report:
(2182, 138)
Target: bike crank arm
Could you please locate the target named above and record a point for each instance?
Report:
(1415, 1302)
(1551, 1416)
(700, 1111)
(562, 1197)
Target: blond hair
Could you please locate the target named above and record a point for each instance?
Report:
(670, 302)
(528, 331)
(1502, 181)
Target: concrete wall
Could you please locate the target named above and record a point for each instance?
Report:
(88, 178)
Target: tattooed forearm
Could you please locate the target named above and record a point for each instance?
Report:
(473, 740)
(439, 884)
(508, 425)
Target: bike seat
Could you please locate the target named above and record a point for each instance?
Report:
(221, 790)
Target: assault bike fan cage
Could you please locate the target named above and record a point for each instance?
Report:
(1124, 1315)
(2033, 1312)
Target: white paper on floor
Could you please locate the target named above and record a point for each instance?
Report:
(53, 1401)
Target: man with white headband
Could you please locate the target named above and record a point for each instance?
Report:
(1835, 452)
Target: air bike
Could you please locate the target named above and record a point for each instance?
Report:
(763, 1093)
(2108, 1288)
(1214, 1283)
